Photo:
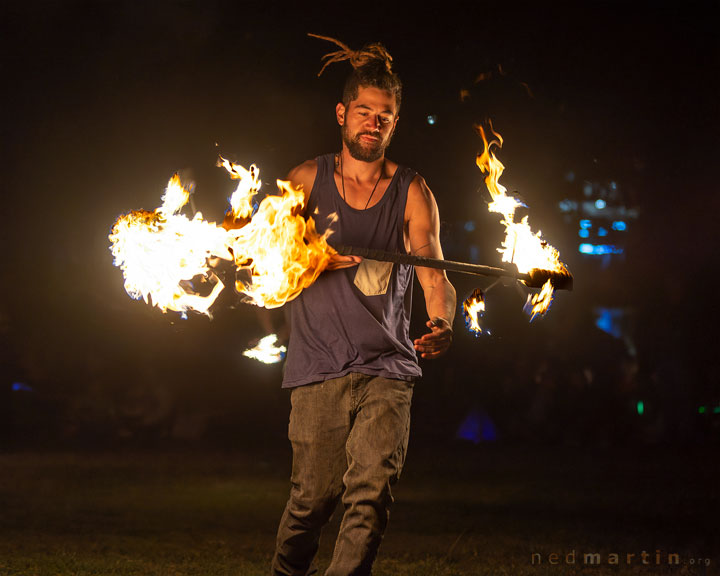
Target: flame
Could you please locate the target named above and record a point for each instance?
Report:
(161, 252)
(539, 303)
(267, 351)
(521, 246)
(279, 251)
(473, 308)
(241, 206)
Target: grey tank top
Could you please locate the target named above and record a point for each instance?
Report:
(355, 319)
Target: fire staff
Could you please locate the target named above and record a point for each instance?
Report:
(351, 363)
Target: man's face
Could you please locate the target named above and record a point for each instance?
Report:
(368, 123)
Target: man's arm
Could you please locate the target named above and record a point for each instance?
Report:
(304, 175)
(423, 239)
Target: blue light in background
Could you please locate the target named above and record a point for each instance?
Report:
(602, 232)
(21, 387)
(567, 205)
(619, 225)
(599, 249)
(432, 119)
(583, 233)
(585, 224)
(477, 427)
(609, 320)
(600, 204)
(469, 226)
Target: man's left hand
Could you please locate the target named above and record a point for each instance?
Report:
(437, 341)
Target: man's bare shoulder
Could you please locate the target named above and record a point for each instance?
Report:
(304, 175)
(420, 199)
(418, 187)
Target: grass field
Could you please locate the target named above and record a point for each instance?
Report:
(460, 510)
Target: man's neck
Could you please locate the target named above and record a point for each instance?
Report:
(358, 170)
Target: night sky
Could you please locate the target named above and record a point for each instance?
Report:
(104, 101)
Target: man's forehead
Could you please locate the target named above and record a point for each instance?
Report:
(376, 99)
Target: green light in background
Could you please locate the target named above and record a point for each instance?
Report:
(640, 407)
(716, 410)
(701, 410)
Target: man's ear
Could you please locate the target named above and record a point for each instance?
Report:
(394, 125)
(340, 113)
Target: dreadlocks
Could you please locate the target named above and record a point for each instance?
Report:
(372, 66)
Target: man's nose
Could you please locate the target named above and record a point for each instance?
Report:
(374, 122)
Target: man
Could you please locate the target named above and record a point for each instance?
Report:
(351, 364)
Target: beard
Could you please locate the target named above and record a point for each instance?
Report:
(363, 151)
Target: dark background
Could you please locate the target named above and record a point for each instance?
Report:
(104, 101)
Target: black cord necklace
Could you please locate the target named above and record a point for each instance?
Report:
(342, 179)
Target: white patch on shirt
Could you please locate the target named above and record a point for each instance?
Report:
(372, 277)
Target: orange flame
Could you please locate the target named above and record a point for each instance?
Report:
(473, 308)
(540, 302)
(521, 246)
(241, 207)
(160, 252)
(282, 252)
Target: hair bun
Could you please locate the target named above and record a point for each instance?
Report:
(371, 52)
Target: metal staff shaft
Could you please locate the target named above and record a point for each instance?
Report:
(534, 279)
(464, 267)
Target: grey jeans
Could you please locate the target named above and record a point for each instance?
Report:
(349, 437)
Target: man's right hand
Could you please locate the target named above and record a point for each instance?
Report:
(338, 262)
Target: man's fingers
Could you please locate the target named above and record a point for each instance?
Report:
(443, 346)
(432, 345)
(430, 356)
(439, 335)
(341, 265)
(338, 262)
(433, 353)
(435, 337)
(436, 342)
(421, 349)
